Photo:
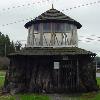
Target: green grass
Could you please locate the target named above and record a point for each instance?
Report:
(2, 73)
(34, 97)
(98, 80)
(7, 97)
(25, 97)
(2, 78)
(2, 81)
(90, 96)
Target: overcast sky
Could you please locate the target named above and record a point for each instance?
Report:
(88, 16)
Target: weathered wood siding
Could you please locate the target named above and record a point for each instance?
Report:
(37, 74)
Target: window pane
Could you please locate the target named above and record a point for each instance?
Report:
(67, 27)
(57, 27)
(62, 27)
(36, 28)
(46, 27)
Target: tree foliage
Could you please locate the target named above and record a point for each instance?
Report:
(6, 46)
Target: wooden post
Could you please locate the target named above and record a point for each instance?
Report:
(77, 74)
(65, 34)
(51, 35)
(33, 35)
(62, 38)
(41, 35)
(71, 73)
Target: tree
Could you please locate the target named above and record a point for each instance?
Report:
(18, 45)
(12, 47)
(6, 46)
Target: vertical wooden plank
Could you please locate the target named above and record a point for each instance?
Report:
(71, 73)
(77, 74)
(65, 35)
(41, 34)
(51, 34)
(33, 36)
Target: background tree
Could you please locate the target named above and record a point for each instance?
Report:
(18, 46)
(12, 47)
(6, 46)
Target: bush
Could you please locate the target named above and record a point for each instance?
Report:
(4, 63)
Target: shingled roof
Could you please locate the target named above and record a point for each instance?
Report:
(53, 51)
(53, 15)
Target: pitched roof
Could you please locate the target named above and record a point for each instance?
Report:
(53, 51)
(53, 15)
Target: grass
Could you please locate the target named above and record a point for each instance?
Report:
(34, 97)
(2, 78)
(2, 81)
(85, 96)
(98, 80)
(25, 97)
(2, 73)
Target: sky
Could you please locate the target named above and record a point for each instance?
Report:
(19, 10)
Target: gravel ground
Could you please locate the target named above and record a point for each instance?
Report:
(62, 97)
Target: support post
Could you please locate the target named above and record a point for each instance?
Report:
(41, 35)
(77, 74)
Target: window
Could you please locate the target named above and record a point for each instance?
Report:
(58, 27)
(67, 28)
(46, 27)
(35, 28)
(62, 28)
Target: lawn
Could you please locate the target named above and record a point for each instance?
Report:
(2, 73)
(25, 97)
(2, 78)
(85, 96)
(98, 81)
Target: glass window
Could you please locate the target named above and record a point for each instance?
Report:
(46, 27)
(58, 27)
(62, 27)
(67, 27)
(35, 28)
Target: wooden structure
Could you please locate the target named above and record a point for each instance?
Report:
(52, 29)
(52, 61)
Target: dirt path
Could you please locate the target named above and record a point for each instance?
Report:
(62, 97)
(56, 97)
